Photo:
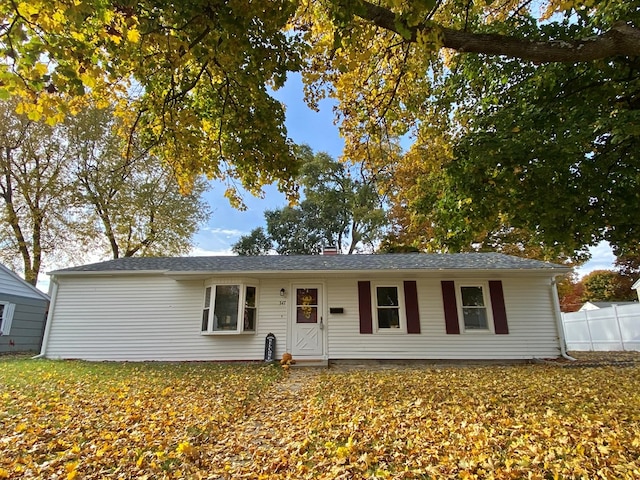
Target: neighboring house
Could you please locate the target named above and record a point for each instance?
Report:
(636, 287)
(23, 311)
(319, 307)
(600, 305)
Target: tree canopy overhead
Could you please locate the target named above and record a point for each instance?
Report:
(194, 78)
(545, 153)
(192, 75)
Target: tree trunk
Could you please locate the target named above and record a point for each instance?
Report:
(13, 220)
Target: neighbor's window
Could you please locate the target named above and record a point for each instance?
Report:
(6, 316)
(388, 307)
(226, 305)
(474, 310)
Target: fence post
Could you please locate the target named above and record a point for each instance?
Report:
(616, 319)
(586, 321)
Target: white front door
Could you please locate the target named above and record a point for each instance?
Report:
(307, 322)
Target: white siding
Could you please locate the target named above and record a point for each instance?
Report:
(151, 318)
(532, 328)
(158, 318)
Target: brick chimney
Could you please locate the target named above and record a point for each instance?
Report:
(330, 251)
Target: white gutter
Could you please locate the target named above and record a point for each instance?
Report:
(53, 293)
(105, 273)
(559, 326)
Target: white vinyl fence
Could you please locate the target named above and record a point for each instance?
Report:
(615, 328)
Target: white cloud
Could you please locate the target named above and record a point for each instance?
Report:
(201, 252)
(602, 258)
(228, 232)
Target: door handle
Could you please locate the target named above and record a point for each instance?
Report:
(321, 324)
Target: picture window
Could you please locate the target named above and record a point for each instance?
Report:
(229, 309)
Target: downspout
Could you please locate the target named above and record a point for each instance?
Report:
(53, 294)
(559, 326)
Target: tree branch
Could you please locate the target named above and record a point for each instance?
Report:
(621, 39)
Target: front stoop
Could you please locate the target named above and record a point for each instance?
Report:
(309, 363)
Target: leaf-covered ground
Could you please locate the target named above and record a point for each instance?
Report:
(76, 420)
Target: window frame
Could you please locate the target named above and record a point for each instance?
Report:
(211, 291)
(6, 317)
(402, 318)
(486, 298)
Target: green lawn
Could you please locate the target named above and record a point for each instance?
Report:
(78, 420)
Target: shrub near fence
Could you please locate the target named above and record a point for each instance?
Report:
(616, 328)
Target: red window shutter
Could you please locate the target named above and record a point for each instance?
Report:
(411, 306)
(497, 307)
(364, 306)
(450, 308)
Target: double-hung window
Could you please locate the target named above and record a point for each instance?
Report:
(229, 309)
(474, 307)
(6, 317)
(387, 302)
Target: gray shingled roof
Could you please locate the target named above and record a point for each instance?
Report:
(310, 263)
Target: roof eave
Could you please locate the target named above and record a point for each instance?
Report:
(14, 275)
(104, 273)
(458, 272)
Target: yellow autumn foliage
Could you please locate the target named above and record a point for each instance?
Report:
(93, 421)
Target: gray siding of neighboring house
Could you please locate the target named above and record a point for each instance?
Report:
(27, 326)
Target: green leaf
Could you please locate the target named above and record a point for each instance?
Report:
(401, 27)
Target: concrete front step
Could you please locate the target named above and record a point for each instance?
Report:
(311, 362)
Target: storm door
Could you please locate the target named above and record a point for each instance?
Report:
(307, 321)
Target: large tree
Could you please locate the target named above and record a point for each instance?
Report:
(344, 199)
(256, 243)
(201, 70)
(137, 203)
(542, 158)
(607, 286)
(193, 76)
(70, 190)
(35, 211)
(341, 208)
(548, 149)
